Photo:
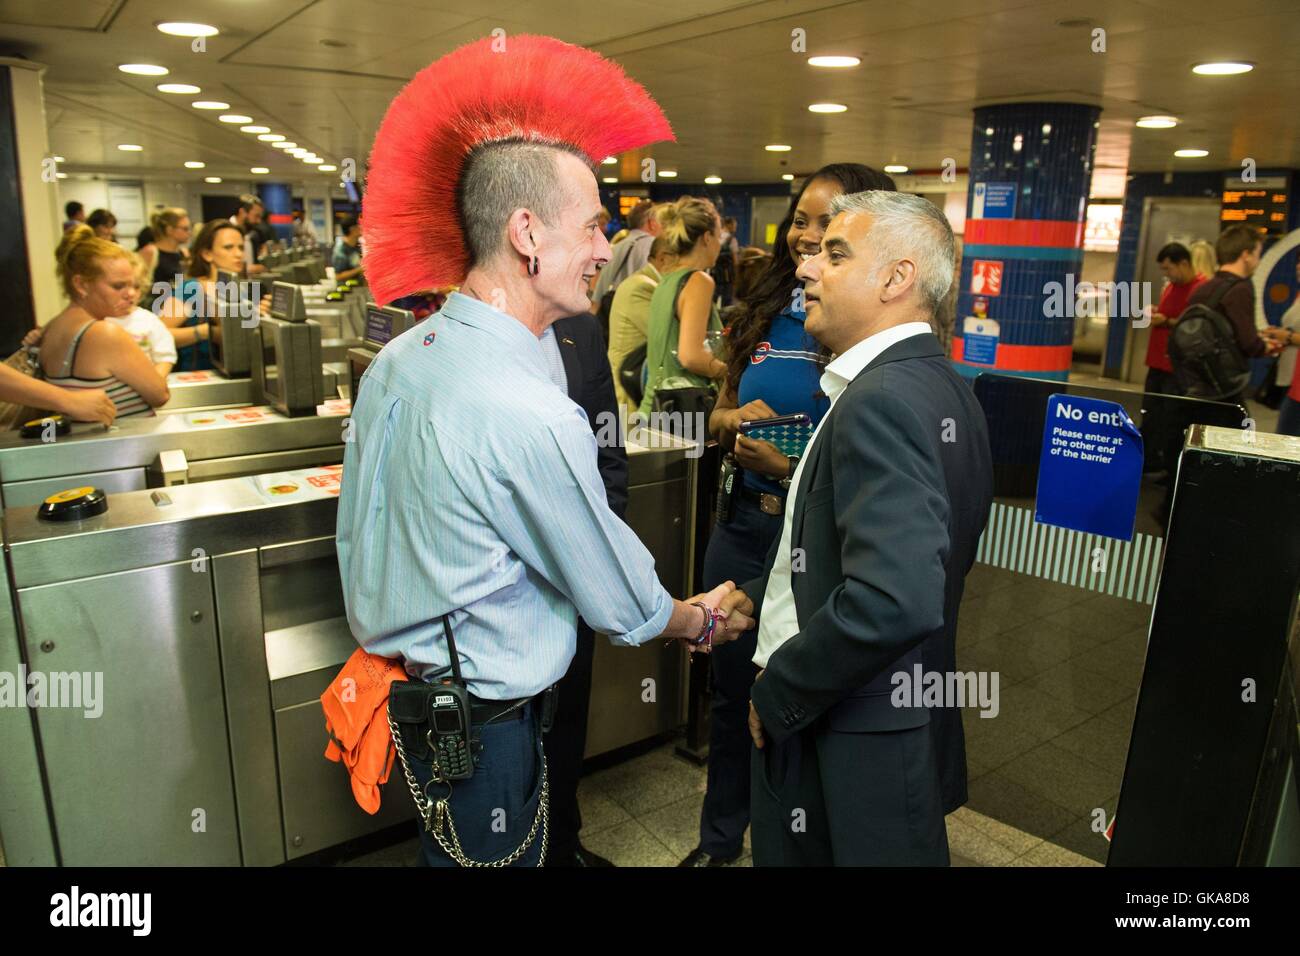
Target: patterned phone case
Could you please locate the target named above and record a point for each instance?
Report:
(790, 439)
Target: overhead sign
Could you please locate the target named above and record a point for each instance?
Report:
(994, 201)
(1263, 203)
(1090, 467)
(986, 277)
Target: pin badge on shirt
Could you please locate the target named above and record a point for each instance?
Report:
(428, 339)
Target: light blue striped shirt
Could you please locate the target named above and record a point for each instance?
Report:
(470, 486)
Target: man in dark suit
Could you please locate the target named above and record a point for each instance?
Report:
(864, 584)
(591, 385)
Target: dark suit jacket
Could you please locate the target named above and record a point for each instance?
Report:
(888, 514)
(591, 385)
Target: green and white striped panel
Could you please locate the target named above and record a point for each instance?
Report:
(1125, 569)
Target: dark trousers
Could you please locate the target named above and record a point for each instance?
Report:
(565, 744)
(1160, 433)
(1288, 418)
(833, 798)
(494, 809)
(737, 551)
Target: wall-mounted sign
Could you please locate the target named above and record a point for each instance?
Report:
(1264, 203)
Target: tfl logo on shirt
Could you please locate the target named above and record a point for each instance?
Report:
(428, 339)
(760, 352)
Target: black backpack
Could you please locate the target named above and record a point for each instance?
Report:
(1203, 350)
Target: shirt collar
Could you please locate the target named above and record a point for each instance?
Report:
(506, 328)
(843, 369)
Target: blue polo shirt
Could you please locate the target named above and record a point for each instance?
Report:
(784, 371)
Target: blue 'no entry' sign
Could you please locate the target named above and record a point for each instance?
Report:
(1090, 468)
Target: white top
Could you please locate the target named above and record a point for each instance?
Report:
(150, 333)
(778, 622)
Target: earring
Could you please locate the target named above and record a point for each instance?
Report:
(533, 266)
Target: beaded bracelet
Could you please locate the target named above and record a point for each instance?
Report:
(712, 616)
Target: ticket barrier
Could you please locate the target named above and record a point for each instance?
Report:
(213, 613)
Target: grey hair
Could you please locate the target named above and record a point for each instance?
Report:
(907, 227)
(502, 176)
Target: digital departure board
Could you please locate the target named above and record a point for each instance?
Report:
(1264, 203)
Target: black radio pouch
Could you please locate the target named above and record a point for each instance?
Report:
(408, 704)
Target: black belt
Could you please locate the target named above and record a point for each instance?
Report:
(769, 504)
(482, 711)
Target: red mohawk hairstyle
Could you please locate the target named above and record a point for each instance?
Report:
(531, 87)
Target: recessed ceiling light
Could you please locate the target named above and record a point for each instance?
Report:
(609, 161)
(259, 170)
(833, 62)
(195, 164)
(788, 177)
(130, 148)
(1222, 69)
(212, 179)
(297, 152)
(271, 138)
(328, 169)
(1157, 122)
(235, 118)
(210, 105)
(713, 180)
(609, 179)
(313, 160)
(1191, 153)
(777, 148)
(895, 168)
(668, 173)
(60, 175)
(188, 29)
(188, 88)
(285, 144)
(144, 69)
(58, 159)
(255, 129)
(827, 108)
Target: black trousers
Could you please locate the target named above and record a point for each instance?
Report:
(564, 746)
(836, 798)
(736, 552)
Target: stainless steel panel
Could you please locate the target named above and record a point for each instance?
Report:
(220, 468)
(26, 830)
(151, 634)
(18, 494)
(136, 443)
(297, 656)
(277, 554)
(319, 809)
(248, 708)
(301, 593)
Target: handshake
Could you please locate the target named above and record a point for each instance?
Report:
(715, 617)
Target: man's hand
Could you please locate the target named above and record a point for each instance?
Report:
(755, 724)
(740, 610)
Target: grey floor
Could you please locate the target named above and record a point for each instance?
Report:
(1069, 663)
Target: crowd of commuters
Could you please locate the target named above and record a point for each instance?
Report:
(133, 317)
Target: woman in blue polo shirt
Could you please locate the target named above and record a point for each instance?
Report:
(774, 368)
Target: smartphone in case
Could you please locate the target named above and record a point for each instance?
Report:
(789, 433)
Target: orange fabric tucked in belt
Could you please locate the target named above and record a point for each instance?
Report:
(356, 718)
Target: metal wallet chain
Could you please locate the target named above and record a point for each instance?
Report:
(436, 814)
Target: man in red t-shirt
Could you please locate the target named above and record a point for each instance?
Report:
(1176, 266)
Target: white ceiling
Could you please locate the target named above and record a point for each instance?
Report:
(723, 71)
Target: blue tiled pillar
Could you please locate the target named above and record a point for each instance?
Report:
(1030, 170)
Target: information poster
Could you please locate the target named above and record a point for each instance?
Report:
(1090, 468)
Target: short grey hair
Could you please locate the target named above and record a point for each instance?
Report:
(907, 227)
(502, 176)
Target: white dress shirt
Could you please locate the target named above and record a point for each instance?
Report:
(778, 621)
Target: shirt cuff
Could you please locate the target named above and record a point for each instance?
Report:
(651, 628)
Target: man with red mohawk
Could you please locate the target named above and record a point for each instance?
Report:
(473, 526)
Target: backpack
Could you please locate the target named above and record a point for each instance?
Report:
(1204, 353)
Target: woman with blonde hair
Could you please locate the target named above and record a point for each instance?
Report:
(1204, 260)
(682, 310)
(165, 256)
(80, 350)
